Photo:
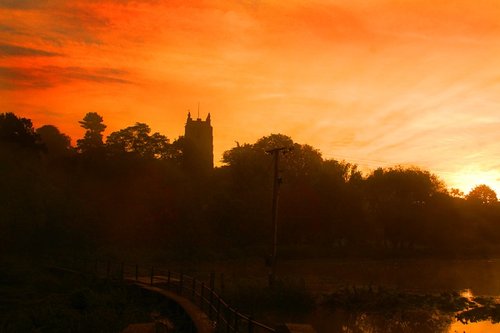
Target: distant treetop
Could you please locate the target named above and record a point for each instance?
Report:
(92, 140)
(482, 194)
(18, 131)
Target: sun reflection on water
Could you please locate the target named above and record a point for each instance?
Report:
(479, 327)
(476, 327)
(467, 293)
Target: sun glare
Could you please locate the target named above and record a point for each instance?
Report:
(467, 178)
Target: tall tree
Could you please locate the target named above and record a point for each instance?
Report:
(22, 185)
(397, 199)
(137, 140)
(94, 126)
(56, 143)
(482, 194)
(18, 131)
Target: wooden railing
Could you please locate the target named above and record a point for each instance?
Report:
(225, 317)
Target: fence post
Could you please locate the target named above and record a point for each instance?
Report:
(201, 295)
(250, 324)
(211, 298)
(152, 274)
(228, 319)
(136, 272)
(236, 317)
(221, 283)
(210, 304)
(193, 290)
(181, 283)
(217, 316)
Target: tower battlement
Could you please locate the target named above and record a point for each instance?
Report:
(198, 151)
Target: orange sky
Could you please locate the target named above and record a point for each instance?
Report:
(376, 82)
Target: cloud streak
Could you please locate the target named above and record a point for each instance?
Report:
(18, 78)
(10, 50)
(377, 81)
(21, 4)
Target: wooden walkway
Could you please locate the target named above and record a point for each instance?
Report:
(198, 299)
(201, 321)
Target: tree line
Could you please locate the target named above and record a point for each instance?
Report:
(132, 191)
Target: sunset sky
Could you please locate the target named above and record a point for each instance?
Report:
(375, 82)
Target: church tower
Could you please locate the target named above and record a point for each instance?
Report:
(198, 149)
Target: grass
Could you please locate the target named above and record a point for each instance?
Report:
(379, 300)
(486, 309)
(372, 299)
(35, 299)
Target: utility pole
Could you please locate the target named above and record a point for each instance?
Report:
(276, 188)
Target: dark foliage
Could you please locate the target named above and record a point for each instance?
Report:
(133, 192)
(94, 127)
(35, 299)
(17, 132)
(369, 299)
(490, 312)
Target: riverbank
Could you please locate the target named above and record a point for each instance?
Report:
(34, 298)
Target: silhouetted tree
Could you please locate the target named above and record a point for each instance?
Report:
(456, 193)
(342, 171)
(273, 141)
(249, 166)
(131, 193)
(397, 197)
(27, 190)
(18, 131)
(137, 140)
(56, 143)
(340, 190)
(94, 126)
(482, 194)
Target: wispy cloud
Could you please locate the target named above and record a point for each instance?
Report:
(45, 77)
(55, 21)
(19, 78)
(22, 4)
(376, 82)
(10, 50)
(10, 29)
(99, 75)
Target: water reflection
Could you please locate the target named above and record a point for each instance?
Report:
(467, 293)
(406, 277)
(480, 327)
(408, 321)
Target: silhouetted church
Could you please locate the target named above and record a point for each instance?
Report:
(198, 149)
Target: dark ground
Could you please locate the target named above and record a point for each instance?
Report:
(36, 298)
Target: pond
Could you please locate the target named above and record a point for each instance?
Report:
(340, 321)
(416, 276)
(481, 327)
(409, 276)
